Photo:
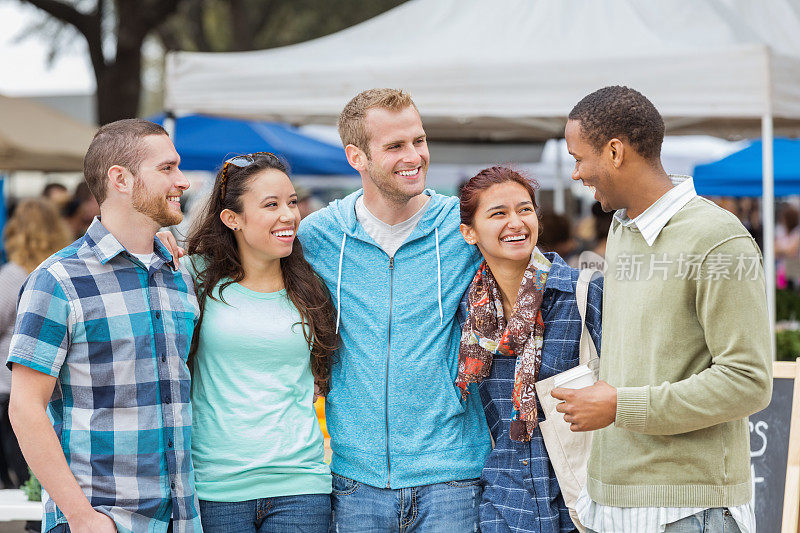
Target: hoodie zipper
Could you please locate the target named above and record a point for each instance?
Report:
(388, 352)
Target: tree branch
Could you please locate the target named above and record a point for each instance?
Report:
(65, 13)
(89, 25)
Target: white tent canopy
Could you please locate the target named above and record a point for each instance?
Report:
(513, 69)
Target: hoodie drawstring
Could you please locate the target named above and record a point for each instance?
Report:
(339, 284)
(339, 280)
(439, 276)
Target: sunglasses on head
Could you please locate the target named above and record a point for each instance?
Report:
(240, 161)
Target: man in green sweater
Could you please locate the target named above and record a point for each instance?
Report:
(686, 348)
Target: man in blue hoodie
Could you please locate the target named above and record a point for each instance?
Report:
(407, 451)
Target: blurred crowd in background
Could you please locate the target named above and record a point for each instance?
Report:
(38, 227)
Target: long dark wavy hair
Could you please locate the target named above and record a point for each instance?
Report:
(214, 242)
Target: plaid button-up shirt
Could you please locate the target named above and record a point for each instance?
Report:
(521, 492)
(116, 335)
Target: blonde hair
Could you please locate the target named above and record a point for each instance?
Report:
(351, 121)
(34, 233)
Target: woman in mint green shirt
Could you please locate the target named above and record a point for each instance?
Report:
(265, 339)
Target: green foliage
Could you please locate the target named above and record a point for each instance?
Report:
(787, 345)
(787, 305)
(238, 25)
(32, 488)
(787, 313)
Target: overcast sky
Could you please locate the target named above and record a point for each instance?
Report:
(23, 65)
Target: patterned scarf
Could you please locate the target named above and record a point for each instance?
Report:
(486, 333)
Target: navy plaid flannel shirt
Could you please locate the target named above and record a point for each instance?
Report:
(521, 493)
(116, 335)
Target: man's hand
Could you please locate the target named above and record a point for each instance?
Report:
(168, 240)
(589, 408)
(92, 522)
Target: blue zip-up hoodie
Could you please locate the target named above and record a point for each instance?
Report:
(393, 412)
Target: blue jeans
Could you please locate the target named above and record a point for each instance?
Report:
(359, 508)
(303, 513)
(716, 520)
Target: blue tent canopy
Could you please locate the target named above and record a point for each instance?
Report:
(204, 142)
(740, 174)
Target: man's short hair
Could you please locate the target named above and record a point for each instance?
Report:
(117, 143)
(351, 122)
(622, 113)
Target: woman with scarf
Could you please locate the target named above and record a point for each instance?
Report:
(523, 325)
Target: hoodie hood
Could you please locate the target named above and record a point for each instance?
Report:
(439, 207)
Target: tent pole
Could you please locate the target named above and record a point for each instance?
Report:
(169, 124)
(559, 199)
(768, 218)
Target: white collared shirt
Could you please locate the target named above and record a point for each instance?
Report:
(654, 218)
(609, 519)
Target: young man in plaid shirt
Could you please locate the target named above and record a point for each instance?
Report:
(100, 344)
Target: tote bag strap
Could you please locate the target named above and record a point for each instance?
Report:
(587, 348)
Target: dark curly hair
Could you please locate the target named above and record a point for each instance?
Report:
(623, 113)
(221, 265)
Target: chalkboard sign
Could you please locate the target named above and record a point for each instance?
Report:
(775, 453)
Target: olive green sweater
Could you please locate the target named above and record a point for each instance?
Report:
(686, 342)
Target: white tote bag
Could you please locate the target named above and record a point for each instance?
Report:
(568, 450)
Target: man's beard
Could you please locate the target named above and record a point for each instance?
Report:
(153, 206)
(389, 187)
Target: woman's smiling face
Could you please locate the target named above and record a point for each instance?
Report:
(505, 226)
(268, 222)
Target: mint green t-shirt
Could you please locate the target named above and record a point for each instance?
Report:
(255, 433)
